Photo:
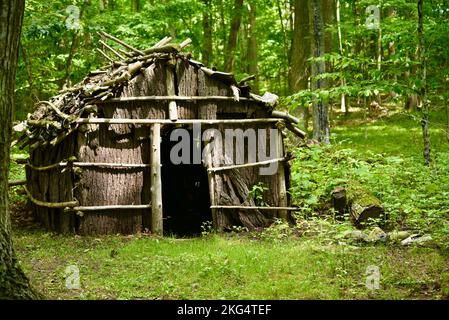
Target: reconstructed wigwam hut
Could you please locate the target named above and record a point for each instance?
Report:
(100, 150)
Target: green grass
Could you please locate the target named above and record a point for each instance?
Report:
(223, 267)
(397, 135)
(384, 155)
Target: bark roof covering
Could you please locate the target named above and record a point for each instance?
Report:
(53, 120)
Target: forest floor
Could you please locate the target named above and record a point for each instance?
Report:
(311, 261)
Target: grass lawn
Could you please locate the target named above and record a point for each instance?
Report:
(227, 267)
(276, 264)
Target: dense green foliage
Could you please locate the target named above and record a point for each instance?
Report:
(414, 196)
(53, 54)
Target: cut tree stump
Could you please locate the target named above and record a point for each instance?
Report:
(339, 201)
(361, 204)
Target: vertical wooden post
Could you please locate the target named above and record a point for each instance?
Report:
(171, 91)
(211, 180)
(281, 176)
(156, 181)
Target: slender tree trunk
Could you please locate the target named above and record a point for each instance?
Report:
(340, 49)
(74, 45)
(379, 57)
(136, 5)
(301, 48)
(223, 28)
(423, 90)
(29, 71)
(207, 33)
(252, 47)
(233, 36)
(321, 130)
(286, 63)
(13, 282)
(328, 12)
(392, 50)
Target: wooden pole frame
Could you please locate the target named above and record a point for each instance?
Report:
(49, 204)
(211, 179)
(256, 208)
(15, 183)
(166, 121)
(171, 91)
(110, 207)
(156, 181)
(88, 164)
(174, 98)
(246, 165)
(281, 178)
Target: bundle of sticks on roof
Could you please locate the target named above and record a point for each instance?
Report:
(55, 119)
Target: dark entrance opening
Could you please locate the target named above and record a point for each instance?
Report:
(185, 192)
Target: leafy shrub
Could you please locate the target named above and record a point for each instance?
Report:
(414, 196)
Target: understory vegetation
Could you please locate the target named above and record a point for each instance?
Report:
(382, 156)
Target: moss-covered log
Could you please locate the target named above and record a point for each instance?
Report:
(363, 206)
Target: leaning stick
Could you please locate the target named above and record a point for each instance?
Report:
(121, 42)
(285, 115)
(50, 204)
(112, 50)
(105, 55)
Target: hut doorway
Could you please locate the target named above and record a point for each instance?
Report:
(185, 193)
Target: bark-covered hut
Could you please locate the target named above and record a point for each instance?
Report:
(100, 150)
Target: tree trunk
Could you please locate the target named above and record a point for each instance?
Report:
(136, 5)
(207, 33)
(340, 49)
(252, 47)
(423, 89)
(300, 51)
(321, 131)
(13, 282)
(379, 57)
(27, 63)
(233, 36)
(301, 48)
(75, 40)
(284, 66)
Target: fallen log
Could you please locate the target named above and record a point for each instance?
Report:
(15, 183)
(363, 206)
(339, 201)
